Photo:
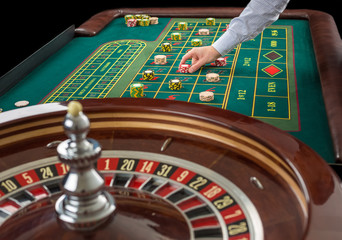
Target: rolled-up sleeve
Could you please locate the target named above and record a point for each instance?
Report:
(257, 15)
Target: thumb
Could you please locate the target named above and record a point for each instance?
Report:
(195, 66)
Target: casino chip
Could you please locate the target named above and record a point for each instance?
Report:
(175, 84)
(206, 96)
(203, 32)
(184, 68)
(153, 20)
(148, 75)
(221, 61)
(166, 47)
(176, 36)
(128, 17)
(144, 22)
(137, 90)
(212, 77)
(131, 22)
(182, 26)
(160, 59)
(196, 42)
(22, 103)
(210, 21)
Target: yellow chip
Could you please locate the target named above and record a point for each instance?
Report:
(148, 75)
(175, 84)
(196, 42)
(166, 47)
(210, 21)
(176, 36)
(183, 26)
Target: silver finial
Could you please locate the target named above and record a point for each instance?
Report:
(84, 205)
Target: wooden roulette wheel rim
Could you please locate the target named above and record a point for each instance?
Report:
(278, 182)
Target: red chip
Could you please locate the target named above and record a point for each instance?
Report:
(131, 22)
(184, 68)
(220, 62)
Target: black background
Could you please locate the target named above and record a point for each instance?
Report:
(26, 26)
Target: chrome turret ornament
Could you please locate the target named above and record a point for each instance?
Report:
(84, 205)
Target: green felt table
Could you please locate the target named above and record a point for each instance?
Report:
(273, 77)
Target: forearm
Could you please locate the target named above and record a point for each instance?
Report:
(252, 21)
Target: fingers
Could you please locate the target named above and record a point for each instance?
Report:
(195, 62)
(196, 65)
(200, 56)
(186, 57)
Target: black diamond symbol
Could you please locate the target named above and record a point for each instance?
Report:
(273, 56)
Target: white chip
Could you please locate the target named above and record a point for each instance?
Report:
(203, 31)
(160, 59)
(212, 77)
(22, 103)
(153, 20)
(206, 96)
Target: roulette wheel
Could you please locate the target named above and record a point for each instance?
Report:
(155, 169)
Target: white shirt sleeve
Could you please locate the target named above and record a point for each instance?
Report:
(257, 15)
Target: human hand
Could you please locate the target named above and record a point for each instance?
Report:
(200, 56)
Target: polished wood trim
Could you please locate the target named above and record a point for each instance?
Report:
(161, 122)
(311, 179)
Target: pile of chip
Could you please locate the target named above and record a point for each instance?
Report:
(140, 20)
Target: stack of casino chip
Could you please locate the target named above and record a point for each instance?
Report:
(166, 47)
(220, 62)
(206, 96)
(203, 31)
(142, 16)
(137, 90)
(176, 36)
(154, 20)
(210, 21)
(148, 75)
(175, 84)
(196, 42)
(128, 17)
(184, 68)
(131, 22)
(138, 17)
(144, 22)
(183, 26)
(212, 77)
(160, 59)
(140, 20)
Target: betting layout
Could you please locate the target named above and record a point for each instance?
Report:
(257, 78)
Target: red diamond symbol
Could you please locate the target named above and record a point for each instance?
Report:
(272, 70)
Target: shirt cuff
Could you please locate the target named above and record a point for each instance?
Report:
(227, 42)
